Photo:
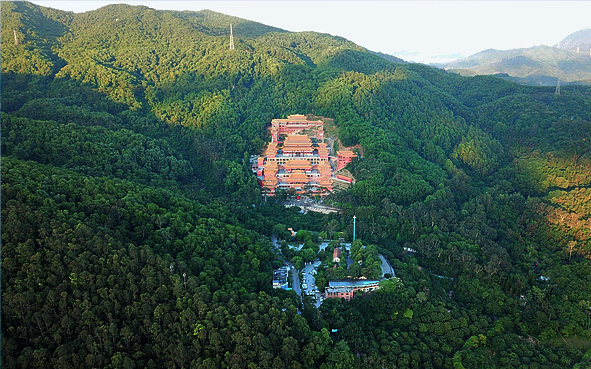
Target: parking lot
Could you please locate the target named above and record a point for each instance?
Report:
(308, 284)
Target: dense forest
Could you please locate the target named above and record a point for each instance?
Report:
(134, 234)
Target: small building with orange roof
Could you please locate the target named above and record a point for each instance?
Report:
(345, 157)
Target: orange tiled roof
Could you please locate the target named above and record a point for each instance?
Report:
(297, 139)
(297, 118)
(271, 148)
(298, 177)
(298, 163)
(346, 153)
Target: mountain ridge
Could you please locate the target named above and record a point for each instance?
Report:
(537, 65)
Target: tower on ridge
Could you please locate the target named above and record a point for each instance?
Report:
(557, 92)
(231, 38)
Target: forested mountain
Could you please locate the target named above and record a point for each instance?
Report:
(134, 234)
(569, 61)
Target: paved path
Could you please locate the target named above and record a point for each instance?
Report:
(309, 280)
(295, 280)
(386, 267)
(294, 273)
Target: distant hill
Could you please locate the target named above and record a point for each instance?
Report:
(569, 61)
(580, 40)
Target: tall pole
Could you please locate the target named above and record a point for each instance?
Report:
(354, 217)
(231, 38)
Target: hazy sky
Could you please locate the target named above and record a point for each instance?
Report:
(414, 30)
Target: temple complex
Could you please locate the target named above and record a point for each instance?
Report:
(297, 157)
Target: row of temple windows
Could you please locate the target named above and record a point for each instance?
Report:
(282, 161)
(298, 153)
